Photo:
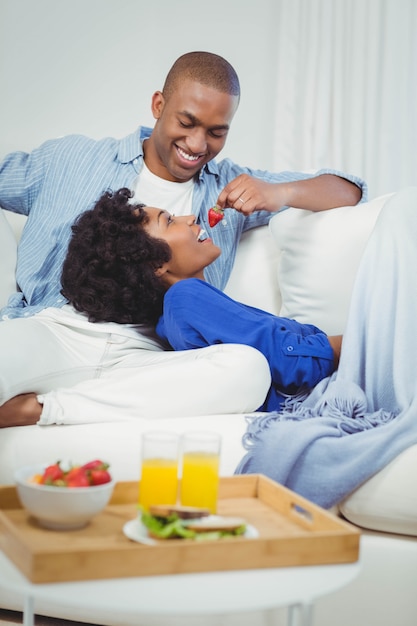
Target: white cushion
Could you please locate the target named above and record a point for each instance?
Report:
(8, 250)
(320, 253)
(253, 278)
(387, 501)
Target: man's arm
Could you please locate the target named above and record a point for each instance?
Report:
(247, 194)
(22, 410)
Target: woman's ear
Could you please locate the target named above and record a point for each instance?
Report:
(165, 275)
(161, 271)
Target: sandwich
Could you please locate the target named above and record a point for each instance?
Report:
(185, 522)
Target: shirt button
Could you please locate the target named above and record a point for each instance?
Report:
(290, 348)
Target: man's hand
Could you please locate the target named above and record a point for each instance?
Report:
(22, 410)
(247, 194)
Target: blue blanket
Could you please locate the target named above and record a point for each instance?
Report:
(325, 444)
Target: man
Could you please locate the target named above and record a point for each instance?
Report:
(171, 166)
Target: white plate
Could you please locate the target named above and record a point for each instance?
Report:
(136, 531)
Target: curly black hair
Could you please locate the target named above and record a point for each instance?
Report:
(109, 270)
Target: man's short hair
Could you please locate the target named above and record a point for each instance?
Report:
(206, 68)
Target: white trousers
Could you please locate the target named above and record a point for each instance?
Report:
(84, 372)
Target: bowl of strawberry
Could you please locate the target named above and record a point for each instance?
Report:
(62, 496)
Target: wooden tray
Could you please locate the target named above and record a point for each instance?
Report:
(292, 531)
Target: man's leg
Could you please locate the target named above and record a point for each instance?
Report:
(86, 374)
(224, 378)
(37, 355)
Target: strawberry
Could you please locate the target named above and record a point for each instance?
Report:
(97, 464)
(99, 477)
(90, 474)
(215, 215)
(77, 477)
(97, 472)
(51, 474)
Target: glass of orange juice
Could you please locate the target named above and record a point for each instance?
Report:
(200, 470)
(159, 469)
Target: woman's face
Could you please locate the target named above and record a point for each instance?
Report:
(191, 252)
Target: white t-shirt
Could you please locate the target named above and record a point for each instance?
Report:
(153, 191)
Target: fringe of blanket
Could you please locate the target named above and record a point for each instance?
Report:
(342, 401)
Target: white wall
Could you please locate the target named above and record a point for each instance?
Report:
(91, 66)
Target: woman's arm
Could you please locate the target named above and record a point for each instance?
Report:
(197, 314)
(336, 343)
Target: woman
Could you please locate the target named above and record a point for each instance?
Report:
(132, 264)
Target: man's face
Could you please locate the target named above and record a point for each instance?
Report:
(191, 128)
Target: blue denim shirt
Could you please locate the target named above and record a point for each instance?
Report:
(64, 177)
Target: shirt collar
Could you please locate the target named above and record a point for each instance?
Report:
(131, 147)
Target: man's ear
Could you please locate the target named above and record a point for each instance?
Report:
(157, 104)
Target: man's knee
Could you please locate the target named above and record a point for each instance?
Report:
(244, 371)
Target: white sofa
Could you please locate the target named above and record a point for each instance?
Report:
(302, 266)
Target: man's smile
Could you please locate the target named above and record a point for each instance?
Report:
(187, 156)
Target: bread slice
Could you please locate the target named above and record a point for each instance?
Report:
(183, 512)
(215, 523)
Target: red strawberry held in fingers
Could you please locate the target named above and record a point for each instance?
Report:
(215, 215)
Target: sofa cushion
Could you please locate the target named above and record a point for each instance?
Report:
(388, 501)
(319, 257)
(253, 278)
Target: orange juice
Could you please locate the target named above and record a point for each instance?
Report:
(200, 480)
(158, 483)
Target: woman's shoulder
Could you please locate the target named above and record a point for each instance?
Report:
(190, 288)
(191, 285)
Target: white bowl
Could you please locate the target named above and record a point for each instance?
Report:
(60, 508)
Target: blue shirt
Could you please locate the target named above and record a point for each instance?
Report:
(197, 315)
(64, 177)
